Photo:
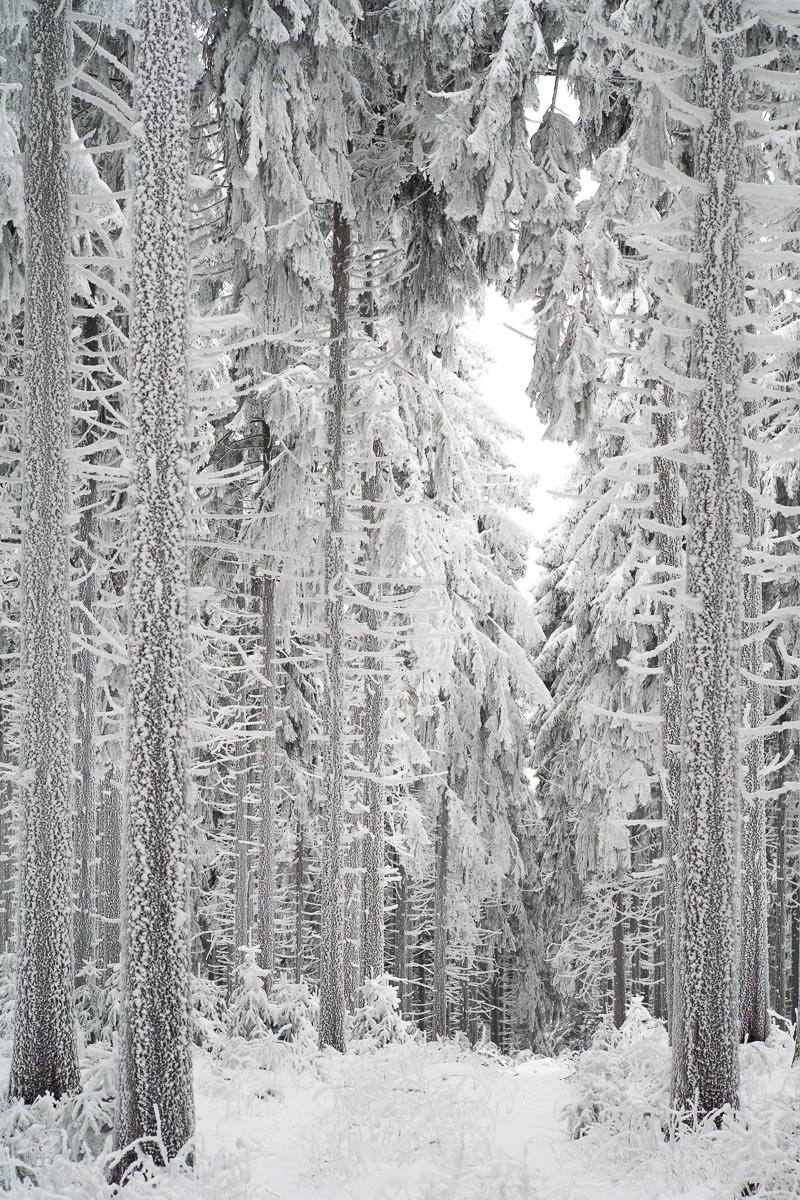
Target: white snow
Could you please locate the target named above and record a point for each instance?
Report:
(436, 1121)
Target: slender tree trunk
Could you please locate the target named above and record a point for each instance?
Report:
(401, 945)
(266, 858)
(373, 784)
(300, 872)
(155, 1090)
(241, 849)
(353, 921)
(111, 865)
(6, 843)
(754, 942)
(86, 716)
(669, 516)
(440, 922)
(705, 1020)
(618, 957)
(781, 913)
(44, 1054)
(332, 999)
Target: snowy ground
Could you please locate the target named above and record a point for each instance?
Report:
(433, 1122)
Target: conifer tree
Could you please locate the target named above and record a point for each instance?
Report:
(155, 1095)
(44, 1055)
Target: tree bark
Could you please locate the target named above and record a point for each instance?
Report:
(332, 999)
(300, 872)
(44, 1053)
(401, 946)
(705, 1019)
(754, 940)
(266, 858)
(618, 958)
(669, 554)
(155, 1090)
(373, 784)
(440, 922)
(111, 866)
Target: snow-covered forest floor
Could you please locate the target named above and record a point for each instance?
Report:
(439, 1121)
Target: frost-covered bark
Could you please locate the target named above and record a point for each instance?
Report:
(705, 1059)
(669, 516)
(44, 1055)
(754, 952)
(373, 951)
(86, 701)
(440, 921)
(331, 984)
(266, 857)
(618, 958)
(155, 1062)
(111, 865)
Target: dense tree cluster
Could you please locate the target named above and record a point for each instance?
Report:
(279, 717)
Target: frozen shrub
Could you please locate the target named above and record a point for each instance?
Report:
(378, 1021)
(293, 1012)
(208, 1013)
(622, 1080)
(248, 1011)
(6, 995)
(89, 1116)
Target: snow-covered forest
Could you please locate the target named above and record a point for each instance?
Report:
(361, 834)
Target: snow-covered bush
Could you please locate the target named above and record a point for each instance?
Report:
(30, 1135)
(248, 1010)
(208, 1013)
(293, 1012)
(6, 995)
(97, 1002)
(378, 1021)
(622, 1080)
(89, 1116)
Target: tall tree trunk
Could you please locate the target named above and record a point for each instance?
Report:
(780, 883)
(241, 850)
(754, 941)
(300, 874)
(6, 843)
(401, 944)
(618, 956)
(354, 916)
(155, 1091)
(373, 784)
(332, 999)
(266, 856)
(440, 922)
(669, 516)
(44, 1054)
(111, 866)
(86, 692)
(705, 1019)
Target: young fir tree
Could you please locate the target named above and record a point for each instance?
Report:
(44, 1055)
(155, 1097)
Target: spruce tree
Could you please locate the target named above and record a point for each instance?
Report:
(155, 1096)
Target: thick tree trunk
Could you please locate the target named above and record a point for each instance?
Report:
(44, 1054)
(155, 1089)
(669, 515)
(754, 941)
(332, 999)
(705, 1019)
(266, 855)
(440, 922)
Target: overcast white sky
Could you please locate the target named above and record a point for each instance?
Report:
(505, 381)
